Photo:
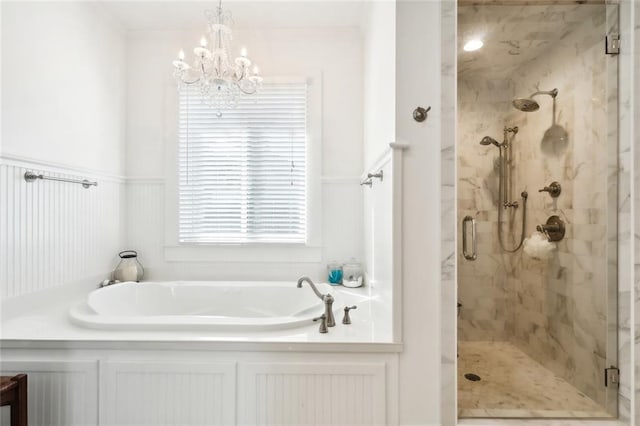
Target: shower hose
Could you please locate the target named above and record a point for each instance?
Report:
(502, 206)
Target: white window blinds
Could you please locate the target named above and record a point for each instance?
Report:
(242, 176)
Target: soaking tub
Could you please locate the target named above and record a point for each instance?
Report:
(192, 304)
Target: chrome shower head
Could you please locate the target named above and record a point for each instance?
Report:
(530, 105)
(526, 105)
(488, 140)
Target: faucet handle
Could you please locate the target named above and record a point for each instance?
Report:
(323, 323)
(347, 319)
(554, 189)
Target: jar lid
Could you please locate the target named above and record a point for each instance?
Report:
(128, 254)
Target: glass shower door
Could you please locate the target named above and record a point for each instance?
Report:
(537, 162)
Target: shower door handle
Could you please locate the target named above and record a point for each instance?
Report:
(465, 252)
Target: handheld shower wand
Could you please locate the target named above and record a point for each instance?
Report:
(502, 195)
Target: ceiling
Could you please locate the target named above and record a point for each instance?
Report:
(514, 35)
(181, 15)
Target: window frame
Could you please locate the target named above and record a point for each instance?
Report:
(309, 251)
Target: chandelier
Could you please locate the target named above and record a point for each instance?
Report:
(220, 81)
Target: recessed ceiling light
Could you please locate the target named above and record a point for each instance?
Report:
(472, 45)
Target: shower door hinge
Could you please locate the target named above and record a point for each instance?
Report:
(612, 44)
(612, 377)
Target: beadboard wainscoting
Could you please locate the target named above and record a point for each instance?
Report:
(61, 393)
(56, 233)
(382, 218)
(144, 393)
(312, 393)
(145, 220)
(378, 221)
(113, 387)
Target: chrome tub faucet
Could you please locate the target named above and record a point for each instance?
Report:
(327, 299)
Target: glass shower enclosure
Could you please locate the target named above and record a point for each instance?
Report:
(537, 150)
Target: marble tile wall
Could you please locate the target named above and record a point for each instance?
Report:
(555, 311)
(481, 282)
(448, 288)
(635, 107)
(561, 304)
(625, 229)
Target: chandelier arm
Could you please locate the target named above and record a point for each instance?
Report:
(242, 74)
(190, 82)
(255, 89)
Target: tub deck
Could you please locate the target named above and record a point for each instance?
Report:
(42, 320)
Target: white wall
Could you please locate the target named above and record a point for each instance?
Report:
(63, 85)
(335, 53)
(379, 77)
(378, 207)
(63, 115)
(379, 35)
(418, 83)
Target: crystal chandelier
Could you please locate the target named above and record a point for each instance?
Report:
(220, 81)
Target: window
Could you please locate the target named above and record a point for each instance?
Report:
(243, 175)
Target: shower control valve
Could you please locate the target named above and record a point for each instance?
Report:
(554, 229)
(554, 189)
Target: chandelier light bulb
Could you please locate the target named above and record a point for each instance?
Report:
(256, 70)
(181, 55)
(203, 41)
(243, 52)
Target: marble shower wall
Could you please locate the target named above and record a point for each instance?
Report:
(635, 168)
(561, 304)
(555, 310)
(481, 282)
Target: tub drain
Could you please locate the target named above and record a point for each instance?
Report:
(472, 377)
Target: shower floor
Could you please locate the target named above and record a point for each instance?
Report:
(514, 385)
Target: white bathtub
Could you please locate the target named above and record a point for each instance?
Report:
(195, 304)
